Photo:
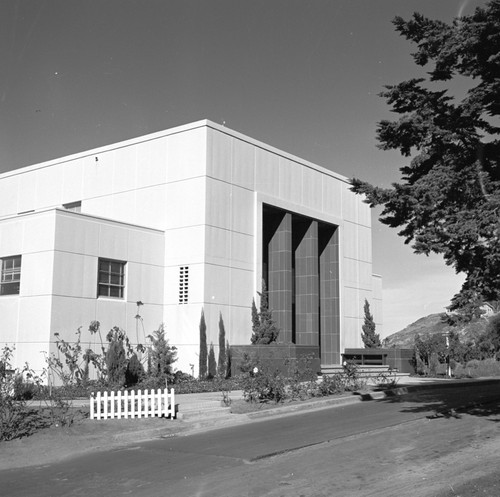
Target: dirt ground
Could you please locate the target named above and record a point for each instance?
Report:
(442, 457)
(58, 443)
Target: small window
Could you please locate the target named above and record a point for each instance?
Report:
(73, 206)
(111, 279)
(10, 279)
(183, 284)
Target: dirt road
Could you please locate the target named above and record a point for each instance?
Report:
(428, 457)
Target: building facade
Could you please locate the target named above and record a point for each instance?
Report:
(161, 228)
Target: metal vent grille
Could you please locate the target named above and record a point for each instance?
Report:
(183, 284)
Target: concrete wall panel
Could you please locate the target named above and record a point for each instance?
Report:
(290, 183)
(186, 155)
(9, 193)
(49, 187)
(72, 180)
(151, 159)
(219, 156)
(243, 164)
(26, 192)
(242, 210)
(267, 172)
(185, 203)
(312, 189)
(11, 237)
(218, 206)
(75, 275)
(150, 207)
(332, 196)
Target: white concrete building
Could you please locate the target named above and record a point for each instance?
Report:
(184, 220)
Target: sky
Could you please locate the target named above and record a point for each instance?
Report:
(301, 75)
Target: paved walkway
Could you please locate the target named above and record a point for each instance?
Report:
(208, 408)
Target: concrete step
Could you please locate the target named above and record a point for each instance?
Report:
(362, 370)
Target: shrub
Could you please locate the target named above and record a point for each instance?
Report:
(134, 372)
(24, 390)
(263, 384)
(478, 369)
(433, 364)
(212, 365)
(161, 356)
(116, 359)
(16, 418)
(331, 384)
(264, 328)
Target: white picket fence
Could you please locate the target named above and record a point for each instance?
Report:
(131, 404)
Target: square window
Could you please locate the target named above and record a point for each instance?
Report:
(10, 279)
(111, 279)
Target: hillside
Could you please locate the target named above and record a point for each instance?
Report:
(430, 325)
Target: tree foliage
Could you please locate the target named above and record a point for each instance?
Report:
(264, 328)
(116, 358)
(203, 357)
(222, 360)
(162, 355)
(212, 364)
(135, 371)
(448, 199)
(490, 342)
(369, 337)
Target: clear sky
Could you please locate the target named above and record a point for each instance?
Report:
(300, 75)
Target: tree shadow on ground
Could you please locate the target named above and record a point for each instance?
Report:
(448, 400)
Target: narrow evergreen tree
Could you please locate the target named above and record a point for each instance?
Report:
(264, 329)
(134, 372)
(369, 337)
(162, 355)
(228, 360)
(116, 360)
(255, 318)
(212, 365)
(203, 347)
(221, 366)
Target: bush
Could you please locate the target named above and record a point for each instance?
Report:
(134, 372)
(161, 356)
(116, 359)
(264, 384)
(477, 369)
(24, 390)
(16, 418)
(264, 328)
(331, 385)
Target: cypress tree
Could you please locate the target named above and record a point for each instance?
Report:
(228, 360)
(116, 360)
(221, 366)
(369, 337)
(212, 365)
(264, 329)
(203, 348)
